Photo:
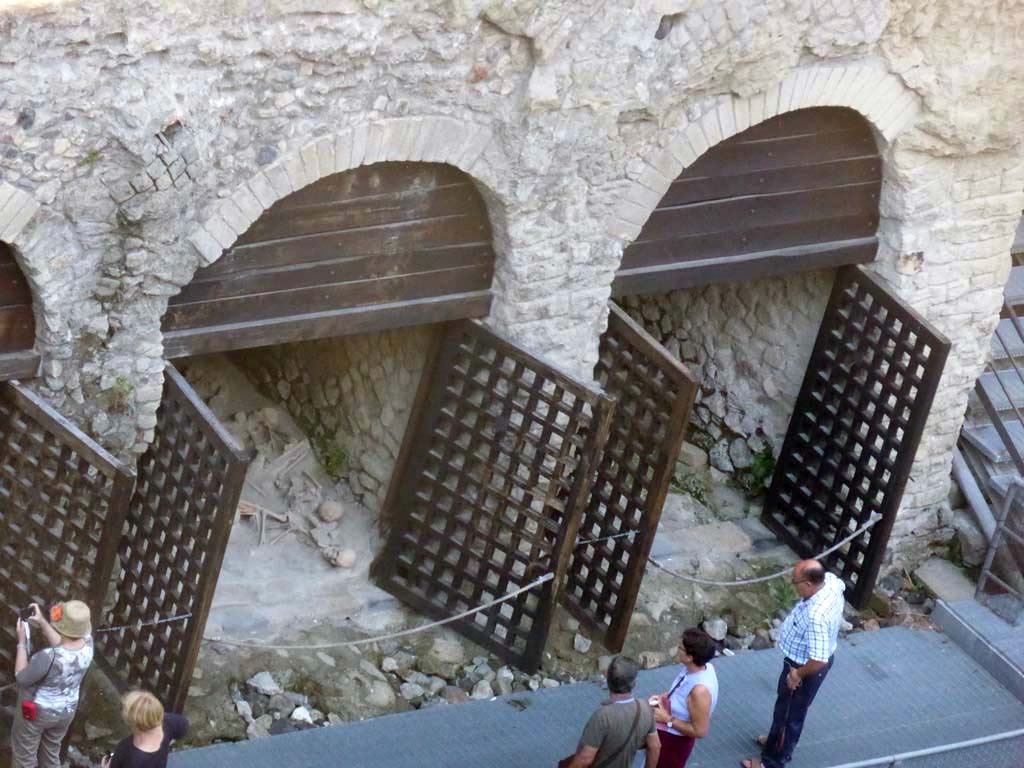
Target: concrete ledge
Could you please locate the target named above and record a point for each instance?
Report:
(975, 645)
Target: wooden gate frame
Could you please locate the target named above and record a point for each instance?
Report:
(829, 420)
(655, 394)
(81, 488)
(447, 425)
(160, 579)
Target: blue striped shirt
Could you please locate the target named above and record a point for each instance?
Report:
(811, 631)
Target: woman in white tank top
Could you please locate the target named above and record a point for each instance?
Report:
(683, 713)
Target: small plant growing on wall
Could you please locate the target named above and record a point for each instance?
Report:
(756, 479)
(119, 396)
(334, 459)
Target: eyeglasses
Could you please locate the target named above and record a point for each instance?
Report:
(798, 583)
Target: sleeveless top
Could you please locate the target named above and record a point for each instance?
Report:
(58, 690)
(682, 687)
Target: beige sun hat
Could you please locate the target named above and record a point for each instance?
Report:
(72, 619)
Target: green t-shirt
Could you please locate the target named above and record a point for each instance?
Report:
(609, 727)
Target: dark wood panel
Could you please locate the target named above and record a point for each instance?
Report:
(322, 298)
(691, 189)
(339, 322)
(786, 195)
(414, 205)
(726, 245)
(742, 156)
(19, 365)
(801, 122)
(385, 240)
(756, 211)
(17, 328)
(336, 270)
(749, 266)
(382, 234)
(17, 323)
(374, 181)
(13, 285)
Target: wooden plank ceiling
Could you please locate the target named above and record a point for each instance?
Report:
(385, 245)
(17, 324)
(796, 192)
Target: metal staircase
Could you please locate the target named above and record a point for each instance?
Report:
(992, 439)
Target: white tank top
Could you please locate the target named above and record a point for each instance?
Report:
(682, 687)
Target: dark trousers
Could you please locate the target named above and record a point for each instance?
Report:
(790, 710)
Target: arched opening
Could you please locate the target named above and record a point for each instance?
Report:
(797, 192)
(814, 380)
(382, 246)
(304, 353)
(18, 359)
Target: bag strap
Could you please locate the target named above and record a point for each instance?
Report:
(678, 683)
(34, 688)
(623, 745)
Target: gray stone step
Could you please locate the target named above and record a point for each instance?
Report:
(1015, 287)
(988, 442)
(998, 484)
(997, 384)
(1014, 343)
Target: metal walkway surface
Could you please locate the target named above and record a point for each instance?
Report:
(996, 644)
(890, 691)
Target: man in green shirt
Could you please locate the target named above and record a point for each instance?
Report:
(620, 726)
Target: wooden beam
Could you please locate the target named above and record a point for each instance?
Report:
(315, 325)
(693, 274)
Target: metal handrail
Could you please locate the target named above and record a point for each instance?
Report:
(1015, 493)
(1001, 533)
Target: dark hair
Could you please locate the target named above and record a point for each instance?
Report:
(699, 645)
(813, 573)
(622, 674)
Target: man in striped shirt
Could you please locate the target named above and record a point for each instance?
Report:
(808, 637)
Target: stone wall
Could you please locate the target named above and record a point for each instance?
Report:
(747, 344)
(139, 139)
(351, 396)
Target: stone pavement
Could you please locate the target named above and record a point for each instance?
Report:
(890, 691)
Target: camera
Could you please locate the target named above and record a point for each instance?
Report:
(26, 613)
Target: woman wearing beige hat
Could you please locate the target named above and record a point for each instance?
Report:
(48, 684)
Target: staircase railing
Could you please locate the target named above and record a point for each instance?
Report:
(1003, 567)
(1006, 546)
(997, 417)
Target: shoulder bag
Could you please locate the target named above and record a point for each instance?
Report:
(566, 761)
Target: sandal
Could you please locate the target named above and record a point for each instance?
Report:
(753, 762)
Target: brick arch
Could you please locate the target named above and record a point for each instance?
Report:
(880, 97)
(424, 139)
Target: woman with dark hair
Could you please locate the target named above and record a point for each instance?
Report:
(683, 713)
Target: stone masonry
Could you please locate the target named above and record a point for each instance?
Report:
(350, 395)
(139, 139)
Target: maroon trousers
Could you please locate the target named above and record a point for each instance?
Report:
(675, 750)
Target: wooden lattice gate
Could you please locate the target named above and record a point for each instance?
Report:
(489, 487)
(855, 428)
(655, 394)
(63, 500)
(189, 481)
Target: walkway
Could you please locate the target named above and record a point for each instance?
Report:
(890, 691)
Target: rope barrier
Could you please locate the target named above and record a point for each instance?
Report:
(545, 578)
(769, 577)
(390, 636)
(141, 624)
(465, 614)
